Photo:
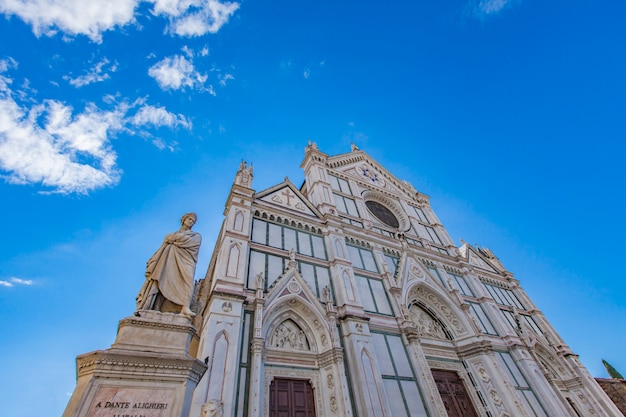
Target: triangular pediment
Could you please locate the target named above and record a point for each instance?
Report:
(287, 196)
(411, 270)
(473, 258)
(291, 284)
(371, 175)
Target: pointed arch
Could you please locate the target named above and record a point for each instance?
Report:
(439, 305)
(427, 323)
(306, 316)
(217, 369)
(373, 397)
(238, 221)
(232, 266)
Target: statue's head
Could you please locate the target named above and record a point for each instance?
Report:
(188, 215)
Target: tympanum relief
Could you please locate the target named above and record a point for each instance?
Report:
(426, 325)
(289, 336)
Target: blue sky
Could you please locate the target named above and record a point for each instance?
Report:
(117, 117)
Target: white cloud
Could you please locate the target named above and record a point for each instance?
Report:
(93, 18)
(176, 73)
(15, 281)
(195, 17)
(225, 78)
(50, 144)
(159, 117)
(307, 73)
(73, 17)
(21, 281)
(486, 8)
(98, 73)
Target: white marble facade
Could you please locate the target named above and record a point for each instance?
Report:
(352, 284)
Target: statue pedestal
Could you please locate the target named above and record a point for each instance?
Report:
(148, 372)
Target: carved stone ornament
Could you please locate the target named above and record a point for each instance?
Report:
(289, 336)
(443, 311)
(333, 404)
(482, 373)
(294, 287)
(330, 383)
(416, 272)
(227, 306)
(426, 326)
(213, 408)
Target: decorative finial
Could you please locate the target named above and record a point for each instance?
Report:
(353, 147)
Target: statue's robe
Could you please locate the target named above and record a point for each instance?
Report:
(170, 271)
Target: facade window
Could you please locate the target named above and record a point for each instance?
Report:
(392, 263)
(436, 274)
(317, 277)
(526, 395)
(405, 397)
(503, 296)
(362, 258)
(244, 365)
(340, 185)
(373, 295)
(272, 266)
(346, 205)
(482, 320)
(352, 222)
(383, 232)
(459, 282)
(433, 236)
(414, 242)
(421, 216)
(281, 237)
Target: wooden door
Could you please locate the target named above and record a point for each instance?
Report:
(453, 394)
(291, 398)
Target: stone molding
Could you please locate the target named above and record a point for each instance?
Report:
(140, 364)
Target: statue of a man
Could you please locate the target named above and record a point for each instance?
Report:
(170, 271)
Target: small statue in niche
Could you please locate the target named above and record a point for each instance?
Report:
(170, 271)
(326, 297)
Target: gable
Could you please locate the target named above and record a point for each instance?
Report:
(285, 195)
(370, 175)
(475, 259)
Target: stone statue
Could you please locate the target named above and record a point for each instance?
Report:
(170, 271)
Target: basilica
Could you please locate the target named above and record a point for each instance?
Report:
(347, 297)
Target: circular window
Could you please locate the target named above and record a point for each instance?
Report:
(383, 214)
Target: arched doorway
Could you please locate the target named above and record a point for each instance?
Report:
(291, 398)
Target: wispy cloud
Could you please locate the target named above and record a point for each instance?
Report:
(12, 282)
(225, 78)
(159, 117)
(486, 8)
(176, 73)
(93, 18)
(97, 73)
(195, 17)
(51, 144)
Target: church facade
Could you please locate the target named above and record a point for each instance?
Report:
(347, 297)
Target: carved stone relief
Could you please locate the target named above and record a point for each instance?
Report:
(443, 311)
(426, 325)
(289, 336)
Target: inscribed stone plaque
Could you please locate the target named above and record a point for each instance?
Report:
(131, 402)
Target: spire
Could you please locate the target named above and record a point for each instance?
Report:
(611, 371)
(244, 175)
